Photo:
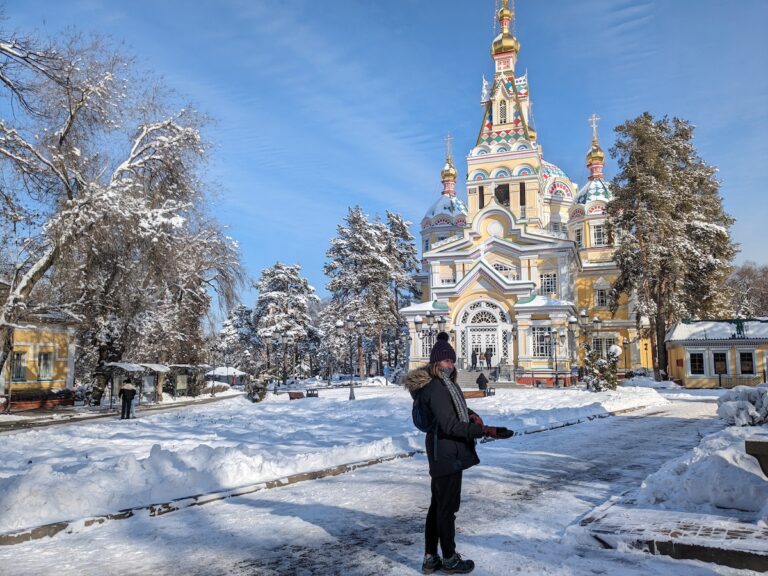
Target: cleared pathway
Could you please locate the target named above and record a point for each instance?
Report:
(516, 508)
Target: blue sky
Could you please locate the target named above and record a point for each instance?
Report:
(322, 105)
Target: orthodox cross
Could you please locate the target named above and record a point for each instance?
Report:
(448, 140)
(593, 120)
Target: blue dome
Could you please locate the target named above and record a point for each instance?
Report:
(593, 190)
(447, 205)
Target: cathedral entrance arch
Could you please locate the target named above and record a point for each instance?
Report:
(482, 327)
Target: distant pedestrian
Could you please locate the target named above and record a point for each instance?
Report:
(482, 382)
(481, 357)
(126, 394)
(474, 359)
(450, 451)
(488, 356)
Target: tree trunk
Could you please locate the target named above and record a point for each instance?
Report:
(661, 350)
(360, 358)
(6, 346)
(380, 370)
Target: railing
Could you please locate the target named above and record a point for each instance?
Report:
(731, 381)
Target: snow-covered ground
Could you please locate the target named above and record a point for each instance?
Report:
(517, 505)
(235, 443)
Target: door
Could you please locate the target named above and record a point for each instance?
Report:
(482, 338)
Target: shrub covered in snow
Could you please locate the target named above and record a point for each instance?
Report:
(744, 405)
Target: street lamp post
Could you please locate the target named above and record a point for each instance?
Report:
(626, 356)
(552, 343)
(512, 341)
(429, 331)
(352, 329)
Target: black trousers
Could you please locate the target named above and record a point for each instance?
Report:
(126, 408)
(441, 518)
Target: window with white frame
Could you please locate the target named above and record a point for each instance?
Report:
(426, 244)
(541, 349)
(599, 237)
(503, 112)
(696, 363)
(746, 362)
(720, 362)
(548, 283)
(578, 237)
(45, 366)
(601, 297)
(19, 366)
(601, 345)
(506, 271)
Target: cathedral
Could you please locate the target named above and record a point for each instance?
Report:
(521, 272)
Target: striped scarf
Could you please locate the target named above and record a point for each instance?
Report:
(456, 396)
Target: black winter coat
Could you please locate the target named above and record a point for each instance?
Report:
(455, 449)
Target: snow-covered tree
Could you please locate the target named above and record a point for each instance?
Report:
(369, 266)
(601, 373)
(100, 189)
(671, 231)
(282, 310)
(748, 288)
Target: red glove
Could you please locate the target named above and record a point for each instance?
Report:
(475, 419)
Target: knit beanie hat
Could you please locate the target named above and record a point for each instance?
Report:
(442, 350)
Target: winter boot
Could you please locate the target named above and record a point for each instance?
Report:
(432, 563)
(457, 565)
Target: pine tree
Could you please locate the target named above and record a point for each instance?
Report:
(671, 231)
(282, 310)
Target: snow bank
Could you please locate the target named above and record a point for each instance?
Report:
(649, 382)
(716, 475)
(744, 405)
(49, 475)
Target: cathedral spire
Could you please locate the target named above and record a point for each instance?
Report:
(595, 156)
(505, 42)
(448, 174)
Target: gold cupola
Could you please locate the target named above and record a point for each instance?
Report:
(449, 171)
(505, 42)
(595, 153)
(595, 156)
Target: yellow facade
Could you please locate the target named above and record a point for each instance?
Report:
(42, 358)
(517, 269)
(718, 353)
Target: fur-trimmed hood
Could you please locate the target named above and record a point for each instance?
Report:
(416, 379)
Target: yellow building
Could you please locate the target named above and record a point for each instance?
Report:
(42, 358)
(524, 267)
(718, 353)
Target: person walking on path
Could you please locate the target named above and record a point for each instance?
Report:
(126, 394)
(474, 360)
(482, 382)
(450, 451)
(488, 356)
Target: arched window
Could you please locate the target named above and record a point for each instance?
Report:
(483, 317)
(503, 112)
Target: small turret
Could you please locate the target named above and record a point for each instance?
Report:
(505, 42)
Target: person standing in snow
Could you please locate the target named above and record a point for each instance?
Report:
(482, 382)
(126, 394)
(452, 452)
(488, 356)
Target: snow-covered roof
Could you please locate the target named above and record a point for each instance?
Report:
(751, 329)
(596, 189)
(225, 371)
(424, 307)
(127, 366)
(156, 367)
(540, 301)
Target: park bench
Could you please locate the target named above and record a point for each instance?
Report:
(295, 395)
(312, 392)
(758, 449)
(490, 391)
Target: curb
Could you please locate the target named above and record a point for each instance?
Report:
(711, 539)
(71, 526)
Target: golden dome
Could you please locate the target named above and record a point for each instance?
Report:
(448, 172)
(505, 42)
(595, 153)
